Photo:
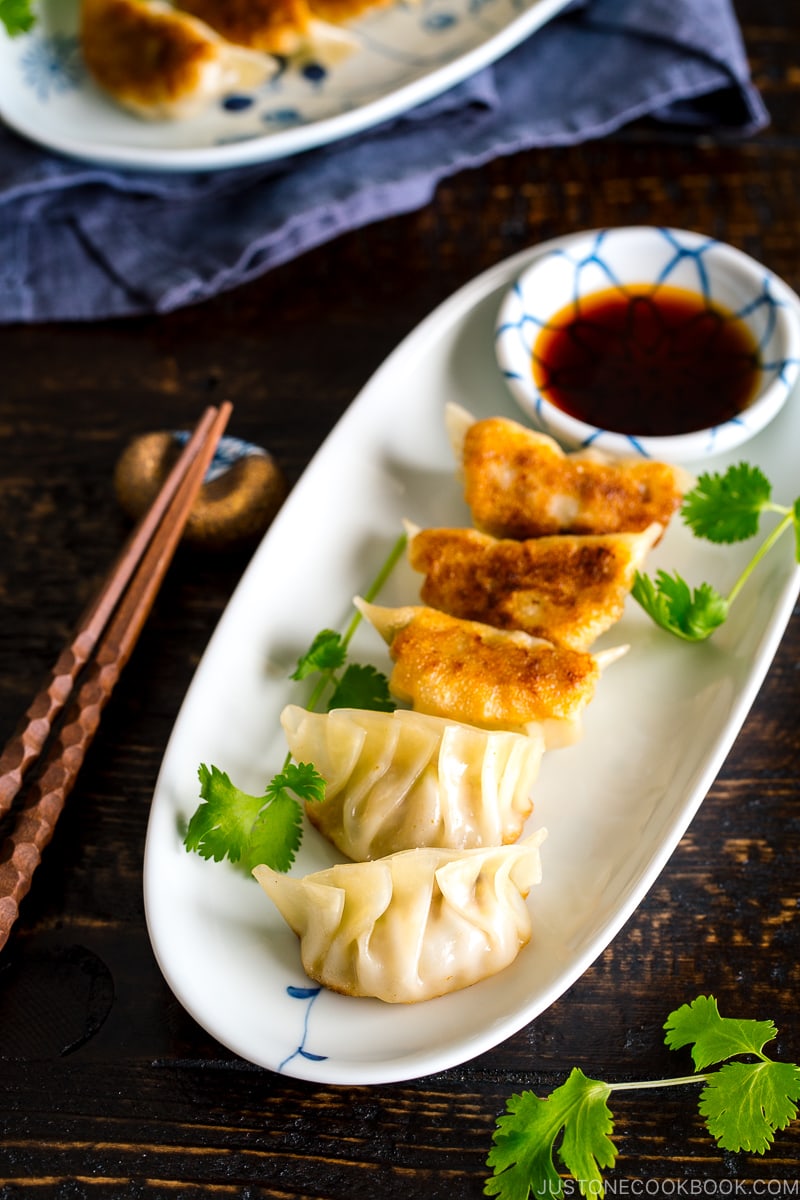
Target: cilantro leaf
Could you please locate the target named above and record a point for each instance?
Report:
(726, 508)
(720, 508)
(691, 615)
(276, 833)
(220, 826)
(249, 829)
(586, 1145)
(326, 653)
(17, 16)
(522, 1158)
(522, 1155)
(715, 1038)
(362, 687)
(301, 778)
(358, 686)
(278, 830)
(744, 1103)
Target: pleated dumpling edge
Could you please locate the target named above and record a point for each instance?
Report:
(414, 925)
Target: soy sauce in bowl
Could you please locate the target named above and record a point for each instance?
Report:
(647, 361)
(649, 342)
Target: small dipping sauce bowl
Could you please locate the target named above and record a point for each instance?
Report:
(661, 343)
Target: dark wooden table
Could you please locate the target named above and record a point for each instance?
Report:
(107, 1087)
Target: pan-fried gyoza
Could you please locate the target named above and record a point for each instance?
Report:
(566, 588)
(167, 61)
(520, 484)
(496, 679)
(161, 63)
(290, 28)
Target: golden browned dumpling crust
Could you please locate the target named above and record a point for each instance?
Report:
(498, 680)
(520, 484)
(272, 26)
(158, 62)
(568, 589)
(131, 49)
(337, 11)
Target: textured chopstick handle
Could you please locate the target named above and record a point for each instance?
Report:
(43, 805)
(36, 820)
(25, 746)
(27, 743)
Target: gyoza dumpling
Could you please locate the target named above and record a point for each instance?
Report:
(284, 27)
(567, 588)
(161, 63)
(493, 678)
(403, 779)
(521, 484)
(414, 925)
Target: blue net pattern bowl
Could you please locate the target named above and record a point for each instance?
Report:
(624, 258)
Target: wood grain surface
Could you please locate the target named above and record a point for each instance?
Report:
(107, 1087)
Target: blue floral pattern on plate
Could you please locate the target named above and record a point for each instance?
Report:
(52, 65)
(309, 995)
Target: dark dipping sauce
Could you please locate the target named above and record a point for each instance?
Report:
(647, 362)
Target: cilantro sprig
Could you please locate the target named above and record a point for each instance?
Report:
(721, 508)
(17, 16)
(250, 830)
(743, 1103)
(358, 686)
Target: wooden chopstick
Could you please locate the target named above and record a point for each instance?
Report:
(86, 671)
(24, 748)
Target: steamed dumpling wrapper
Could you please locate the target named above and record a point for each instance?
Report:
(520, 484)
(412, 926)
(492, 678)
(566, 588)
(400, 780)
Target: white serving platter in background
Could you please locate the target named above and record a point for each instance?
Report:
(407, 53)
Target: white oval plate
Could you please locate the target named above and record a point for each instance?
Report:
(615, 805)
(408, 53)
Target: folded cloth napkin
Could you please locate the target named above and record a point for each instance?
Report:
(80, 241)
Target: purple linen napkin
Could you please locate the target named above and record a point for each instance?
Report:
(82, 242)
